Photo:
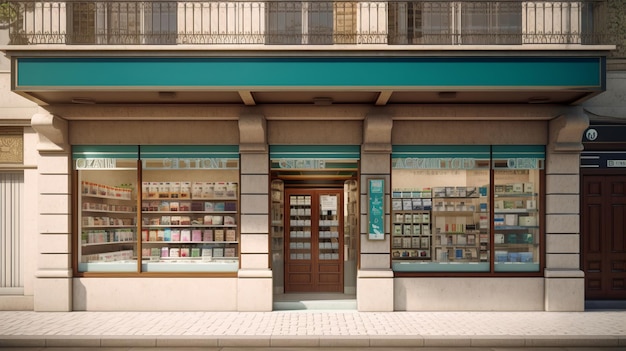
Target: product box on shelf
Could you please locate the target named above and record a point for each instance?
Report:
(526, 257)
(527, 221)
(185, 190)
(498, 238)
(207, 235)
(529, 188)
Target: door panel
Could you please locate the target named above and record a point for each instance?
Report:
(604, 236)
(314, 241)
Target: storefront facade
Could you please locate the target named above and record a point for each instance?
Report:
(602, 200)
(369, 266)
(192, 179)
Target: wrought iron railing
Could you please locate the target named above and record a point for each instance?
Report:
(436, 22)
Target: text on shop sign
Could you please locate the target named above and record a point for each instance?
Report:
(523, 163)
(302, 164)
(190, 163)
(435, 163)
(95, 163)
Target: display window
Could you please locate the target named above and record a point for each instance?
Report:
(466, 208)
(158, 208)
(516, 207)
(440, 213)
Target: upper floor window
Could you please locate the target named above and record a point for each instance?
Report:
(122, 22)
(445, 23)
(316, 23)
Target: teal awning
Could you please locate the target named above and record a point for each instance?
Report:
(68, 73)
(105, 151)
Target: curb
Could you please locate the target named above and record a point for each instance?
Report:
(315, 341)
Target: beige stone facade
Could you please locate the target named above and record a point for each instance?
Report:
(560, 287)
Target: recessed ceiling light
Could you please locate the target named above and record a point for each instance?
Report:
(83, 101)
(321, 101)
(167, 94)
(538, 100)
(447, 94)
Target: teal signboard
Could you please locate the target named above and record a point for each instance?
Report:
(376, 213)
(329, 72)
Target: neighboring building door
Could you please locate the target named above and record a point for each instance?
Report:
(314, 240)
(604, 236)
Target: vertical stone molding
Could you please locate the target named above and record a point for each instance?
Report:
(254, 286)
(52, 132)
(377, 132)
(53, 284)
(564, 279)
(375, 274)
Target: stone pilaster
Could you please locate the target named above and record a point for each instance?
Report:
(375, 279)
(254, 291)
(53, 276)
(564, 279)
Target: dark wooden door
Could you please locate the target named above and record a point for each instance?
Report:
(604, 236)
(314, 240)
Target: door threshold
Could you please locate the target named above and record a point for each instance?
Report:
(596, 305)
(315, 302)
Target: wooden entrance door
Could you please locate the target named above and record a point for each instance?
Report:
(314, 240)
(604, 236)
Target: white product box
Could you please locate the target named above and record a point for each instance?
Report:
(529, 187)
(527, 221)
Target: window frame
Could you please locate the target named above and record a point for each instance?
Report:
(492, 271)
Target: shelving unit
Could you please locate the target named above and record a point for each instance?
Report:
(300, 243)
(107, 224)
(277, 216)
(461, 225)
(277, 233)
(328, 241)
(189, 226)
(411, 227)
(200, 229)
(516, 227)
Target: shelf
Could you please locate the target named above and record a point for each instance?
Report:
(106, 197)
(515, 210)
(455, 213)
(176, 199)
(149, 226)
(467, 246)
(107, 211)
(188, 242)
(516, 245)
(108, 243)
(513, 227)
(187, 212)
(515, 195)
(108, 226)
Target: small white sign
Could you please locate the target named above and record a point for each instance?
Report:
(616, 163)
(328, 202)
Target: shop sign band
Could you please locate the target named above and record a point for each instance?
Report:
(190, 163)
(96, 163)
(434, 163)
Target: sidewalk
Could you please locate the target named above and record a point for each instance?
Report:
(331, 329)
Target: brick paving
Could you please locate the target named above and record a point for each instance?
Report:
(312, 329)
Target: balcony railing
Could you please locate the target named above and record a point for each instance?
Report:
(437, 22)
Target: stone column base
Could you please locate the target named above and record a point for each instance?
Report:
(53, 294)
(564, 290)
(254, 291)
(374, 292)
